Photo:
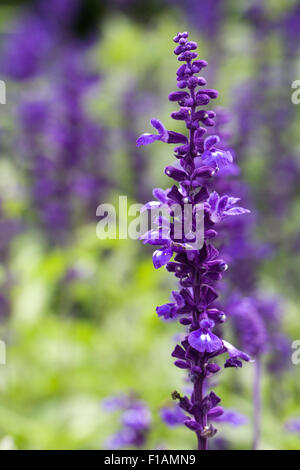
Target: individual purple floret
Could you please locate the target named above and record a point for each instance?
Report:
(197, 268)
(135, 421)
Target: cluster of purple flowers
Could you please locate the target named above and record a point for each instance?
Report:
(135, 421)
(198, 160)
(58, 141)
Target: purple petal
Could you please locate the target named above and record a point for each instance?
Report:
(205, 341)
(222, 204)
(162, 131)
(175, 173)
(174, 194)
(181, 364)
(162, 257)
(232, 417)
(207, 324)
(208, 294)
(150, 205)
(167, 311)
(202, 195)
(236, 211)
(146, 139)
(178, 298)
(176, 138)
(178, 95)
(215, 412)
(213, 200)
(160, 195)
(178, 352)
(219, 158)
(235, 355)
(211, 141)
(172, 416)
(233, 200)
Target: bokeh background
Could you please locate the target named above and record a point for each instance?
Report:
(83, 79)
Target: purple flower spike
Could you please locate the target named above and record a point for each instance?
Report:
(197, 268)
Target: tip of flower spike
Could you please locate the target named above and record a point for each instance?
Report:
(180, 36)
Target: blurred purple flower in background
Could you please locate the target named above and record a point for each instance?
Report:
(62, 148)
(135, 421)
(293, 425)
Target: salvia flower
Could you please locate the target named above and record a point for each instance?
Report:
(197, 268)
